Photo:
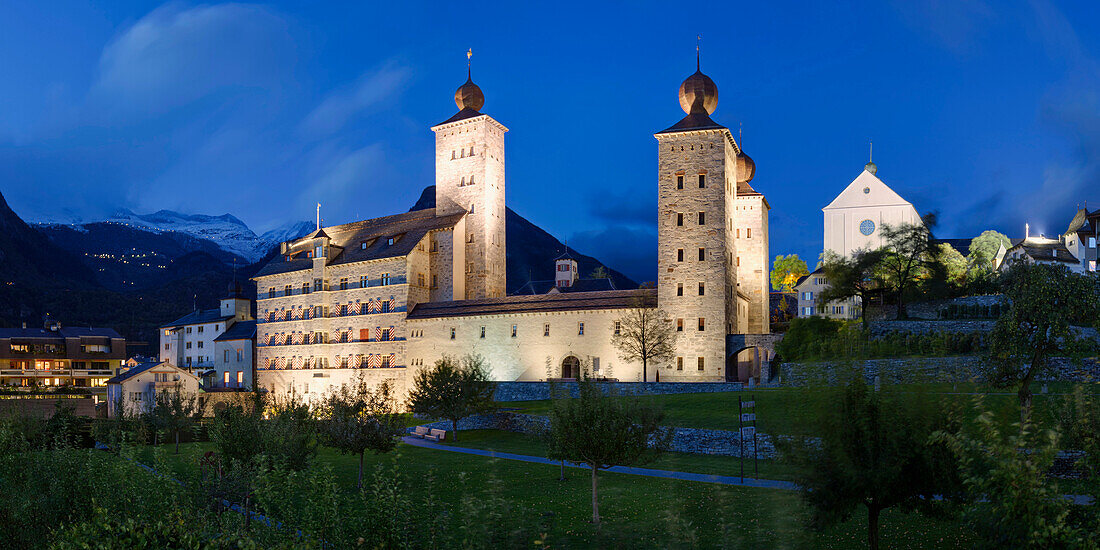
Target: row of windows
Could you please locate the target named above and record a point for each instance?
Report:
(680, 289)
(320, 337)
(680, 181)
(240, 355)
(461, 154)
(680, 254)
(617, 330)
(338, 310)
(188, 329)
(354, 361)
(240, 378)
(680, 324)
(323, 284)
(680, 363)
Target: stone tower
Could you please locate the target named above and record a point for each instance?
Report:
(469, 177)
(697, 250)
(752, 262)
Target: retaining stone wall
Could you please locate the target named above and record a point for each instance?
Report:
(684, 440)
(537, 391)
(926, 369)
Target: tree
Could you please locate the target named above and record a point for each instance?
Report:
(873, 452)
(603, 430)
(984, 247)
(1044, 302)
(356, 418)
(1009, 499)
(174, 410)
(786, 271)
(909, 251)
(452, 390)
(644, 334)
(858, 275)
(954, 265)
(599, 273)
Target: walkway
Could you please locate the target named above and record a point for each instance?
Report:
(667, 474)
(1082, 500)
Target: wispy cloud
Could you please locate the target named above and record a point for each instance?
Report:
(960, 26)
(369, 91)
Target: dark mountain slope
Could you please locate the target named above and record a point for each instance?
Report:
(531, 251)
(28, 255)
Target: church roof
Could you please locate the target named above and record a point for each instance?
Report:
(364, 240)
(539, 303)
(867, 190)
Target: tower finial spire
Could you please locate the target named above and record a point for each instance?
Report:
(698, 51)
(469, 73)
(870, 151)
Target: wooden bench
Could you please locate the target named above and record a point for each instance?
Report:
(420, 432)
(436, 435)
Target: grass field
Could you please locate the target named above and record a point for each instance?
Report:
(793, 411)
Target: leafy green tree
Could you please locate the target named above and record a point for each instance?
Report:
(603, 430)
(955, 266)
(356, 418)
(984, 247)
(786, 271)
(644, 334)
(1078, 419)
(599, 273)
(1009, 500)
(909, 250)
(174, 410)
(858, 275)
(237, 429)
(452, 390)
(256, 424)
(1045, 301)
(873, 453)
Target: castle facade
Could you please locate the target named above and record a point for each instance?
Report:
(383, 297)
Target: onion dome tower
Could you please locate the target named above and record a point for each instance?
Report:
(468, 96)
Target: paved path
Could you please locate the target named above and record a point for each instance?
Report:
(667, 474)
(1083, 500)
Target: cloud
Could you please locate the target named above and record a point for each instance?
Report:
(174, 56)
(957, 25)
(336, 170)
(624, 208)
(341, 106)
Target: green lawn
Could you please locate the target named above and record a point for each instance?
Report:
(508, 442)
(793, 411)
(637, 511)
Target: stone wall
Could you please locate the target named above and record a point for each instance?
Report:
(930, 309)
(537, 391)
(684, 440)
(924, 369)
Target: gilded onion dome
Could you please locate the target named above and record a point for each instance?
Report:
(698, 94)
(469, 96)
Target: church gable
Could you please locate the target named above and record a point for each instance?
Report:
(867, 190)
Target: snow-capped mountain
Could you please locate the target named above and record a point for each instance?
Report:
(226, 231)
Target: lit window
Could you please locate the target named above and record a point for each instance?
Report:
(240, 377)
(389, 241)
(679, 325)
(702, 324)
(225, 378)
(343, 283)
(580, 329)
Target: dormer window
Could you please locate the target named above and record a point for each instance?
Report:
(318, 251)
(390, 241)
(363, 245)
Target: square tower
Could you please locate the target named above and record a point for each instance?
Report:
(696, 276)
(469, 177)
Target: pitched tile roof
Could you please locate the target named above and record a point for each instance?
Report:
(580, 285)
(693, 121)
(63, 332)
(241, 330)
(571, 301)
(198, 317)
(1044, 250)
(346, 241)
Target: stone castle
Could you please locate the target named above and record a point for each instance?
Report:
(383, 297)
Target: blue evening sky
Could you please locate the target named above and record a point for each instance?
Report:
(986, 112)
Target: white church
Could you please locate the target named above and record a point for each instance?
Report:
(854, 221)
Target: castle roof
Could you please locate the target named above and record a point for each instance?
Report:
(539, 303)
(198, 317)
(364, 240)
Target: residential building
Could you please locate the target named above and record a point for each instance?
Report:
(234, 354)
(60, 356)
(188, 342)
(136, 389)
(809, 289)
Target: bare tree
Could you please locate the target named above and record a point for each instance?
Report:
(644, 334)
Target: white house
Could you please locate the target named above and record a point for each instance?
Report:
(136, 388)
(188, 342)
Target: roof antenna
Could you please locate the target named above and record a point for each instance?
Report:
(698, 52)
(740, 132)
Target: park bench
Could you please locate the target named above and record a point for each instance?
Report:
(420, 432)
(436, 435)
